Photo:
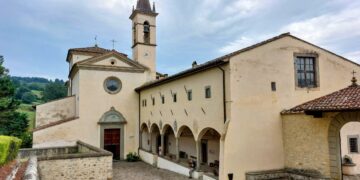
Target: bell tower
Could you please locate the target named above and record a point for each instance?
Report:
(144, 35)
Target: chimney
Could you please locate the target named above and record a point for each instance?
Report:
(194, 64)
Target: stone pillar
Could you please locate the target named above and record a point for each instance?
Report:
(198, 154)
(152, 149)
(177, 149)
(162, 145)
(150, 142)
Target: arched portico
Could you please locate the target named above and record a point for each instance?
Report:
(112, 132)
(170, 142)
(145, 137)
(187, 145)
(209, 156)
(334, 141)
(155, 139)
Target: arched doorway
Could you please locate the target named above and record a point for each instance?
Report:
(112, 133)
(155, 139)
(145, 138)
(334, 141)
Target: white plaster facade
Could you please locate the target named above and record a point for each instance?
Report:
(239, 124)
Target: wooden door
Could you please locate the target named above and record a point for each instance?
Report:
(112, 142)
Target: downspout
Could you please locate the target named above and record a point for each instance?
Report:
(139, 123)
(224, 92)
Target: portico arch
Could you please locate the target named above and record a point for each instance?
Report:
(334, 140)
(209, 156)
(145, 137)
(112, 130)
(155, 138)
(170, 144)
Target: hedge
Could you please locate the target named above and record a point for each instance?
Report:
(9, 147)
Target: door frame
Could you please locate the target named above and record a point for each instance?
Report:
(113, 126)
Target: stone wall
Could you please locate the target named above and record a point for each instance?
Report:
(99, 168)
(306, 143)
(82, 161)
(63, 109)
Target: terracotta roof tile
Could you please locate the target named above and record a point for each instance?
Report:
(93, 50)
(346, 99)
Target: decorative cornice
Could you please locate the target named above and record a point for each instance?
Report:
(135, 12)
(145, 44)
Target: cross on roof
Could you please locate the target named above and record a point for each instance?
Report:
(95, 41)
(113, 43)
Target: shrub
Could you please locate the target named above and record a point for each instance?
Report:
(9, 147)
(132, 157)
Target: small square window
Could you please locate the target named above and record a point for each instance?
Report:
(208, 92)
(189, 95)
(353, 144)
(163, 99)
(174, 97)
(153, 101)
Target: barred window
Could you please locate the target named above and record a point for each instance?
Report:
(306, 71)
(189, 95)
(163, 99)
(207, 92)
(174, 97)
(353, 145)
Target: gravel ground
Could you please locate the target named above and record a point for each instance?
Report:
(141, 171)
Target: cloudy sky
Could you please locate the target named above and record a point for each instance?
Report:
(35, 35)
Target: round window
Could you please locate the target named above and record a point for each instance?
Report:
(112, 85)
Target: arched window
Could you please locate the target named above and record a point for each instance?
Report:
(146, 32)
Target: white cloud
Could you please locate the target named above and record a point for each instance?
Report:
(237, 44)
(328, 28)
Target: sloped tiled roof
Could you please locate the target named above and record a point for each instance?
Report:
(346, 99)
(95, 50)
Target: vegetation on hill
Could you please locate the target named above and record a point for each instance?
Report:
(12, 123)
(18, 98)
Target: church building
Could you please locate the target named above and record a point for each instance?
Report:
(273, 109)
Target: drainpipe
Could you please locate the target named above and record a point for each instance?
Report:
(224, 92)
(139, 93)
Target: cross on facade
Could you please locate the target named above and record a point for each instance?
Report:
(113, 43)
(353, 72)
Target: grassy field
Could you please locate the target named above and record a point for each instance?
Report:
(29, 109)
(30, 112)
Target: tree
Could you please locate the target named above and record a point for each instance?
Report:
(28, 97)
(19, 92)
(12, 123)
(54, 90)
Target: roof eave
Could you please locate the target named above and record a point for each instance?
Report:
(182, 75)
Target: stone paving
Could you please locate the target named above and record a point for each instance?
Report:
(141, 171)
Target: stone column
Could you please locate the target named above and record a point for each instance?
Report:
(198, 154)
(162, 145)
(150, 143)
(177, 149)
